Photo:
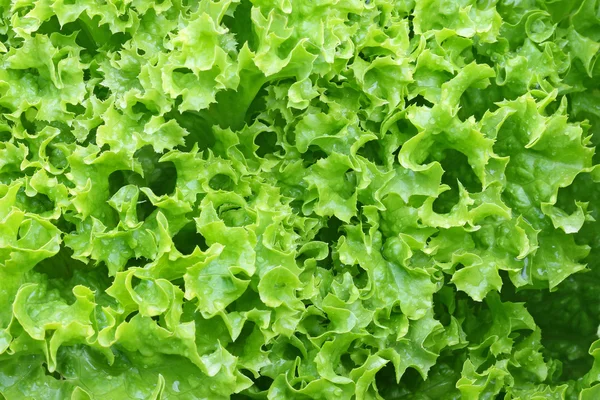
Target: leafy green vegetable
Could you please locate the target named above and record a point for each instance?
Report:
(299, 199)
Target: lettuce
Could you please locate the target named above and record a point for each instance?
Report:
(299, 199)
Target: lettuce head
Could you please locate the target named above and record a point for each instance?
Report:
(299, 199)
